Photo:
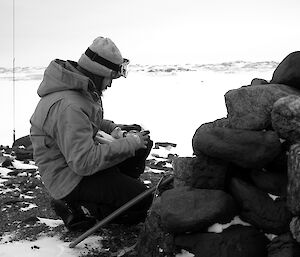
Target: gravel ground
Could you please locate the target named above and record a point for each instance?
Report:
(23, 199)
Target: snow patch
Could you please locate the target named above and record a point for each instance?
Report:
(30, 206)
(218, 228)
(47, 247)
(274, 197)
(184, 253)
(51, 222)
(20, 165)
(4, 172)
(157, 171)
(163, 152)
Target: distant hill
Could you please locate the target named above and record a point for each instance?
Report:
(36, 73)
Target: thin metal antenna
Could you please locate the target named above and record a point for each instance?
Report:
(14, 80)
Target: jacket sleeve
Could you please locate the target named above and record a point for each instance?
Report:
(107, 126)
(74, 136)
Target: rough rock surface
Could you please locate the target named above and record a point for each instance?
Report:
(185, 209)
(153, 241)
(287, 72)
(199, 172)
(279, 164)
(257, 81)
(235, 241)
(293, 188)
(250, 107)
(245, 148)
(283, 246)
(259, 209)
(269, 182)
(286, 118)
(295, 228)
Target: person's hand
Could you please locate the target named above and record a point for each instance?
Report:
(141, 137)
(118, 133)
(130, 127)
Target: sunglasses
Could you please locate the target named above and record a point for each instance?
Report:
(119, 69)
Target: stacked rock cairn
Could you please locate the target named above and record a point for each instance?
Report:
(239, 194)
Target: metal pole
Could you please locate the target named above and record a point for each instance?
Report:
(118, 212)
(14, 80)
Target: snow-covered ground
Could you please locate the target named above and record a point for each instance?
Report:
(46, 247)
(50, 245)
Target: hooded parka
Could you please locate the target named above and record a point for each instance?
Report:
(63, 129)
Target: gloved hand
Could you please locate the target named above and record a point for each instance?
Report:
(130, 127)
(141, 137)
(118, 133)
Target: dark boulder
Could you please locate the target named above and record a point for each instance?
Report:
(283, 246)
(269, 182)
(184, 209)
(286, 118)
(199, 172)
(235, 241)
(7, 162)
(287, 72)
(250, 107)
(245, 148)
(259, 209)
(293, 188)
(295, 228)
(279, 164)
(153, 241)
(23, 154)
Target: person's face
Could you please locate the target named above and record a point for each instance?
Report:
(106, 83)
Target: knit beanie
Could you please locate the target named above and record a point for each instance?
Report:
(105, 48)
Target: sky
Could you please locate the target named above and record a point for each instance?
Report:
(150, 31)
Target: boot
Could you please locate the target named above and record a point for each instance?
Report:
(73, 216)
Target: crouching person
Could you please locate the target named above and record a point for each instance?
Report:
(85, 161)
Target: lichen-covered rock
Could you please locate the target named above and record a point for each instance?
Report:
(293, 188)
(245, 148)
(250, 107)
(153, 240)
(287, 72)
(286, 118)
(185, 209)
(259, 209)
(235, 241)
(283, 246)
(199, 172)
(295, 228)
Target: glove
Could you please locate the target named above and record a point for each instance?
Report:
(141, 138)
(118, 133)
(130, 127)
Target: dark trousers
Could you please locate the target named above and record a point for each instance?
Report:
(107, 190)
